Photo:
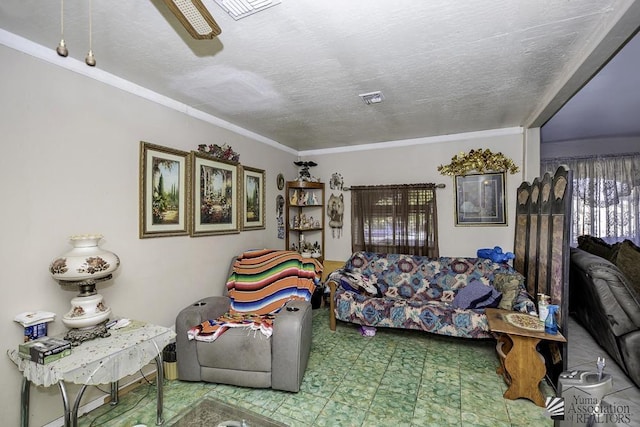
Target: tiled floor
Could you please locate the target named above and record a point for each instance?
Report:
(397, 378)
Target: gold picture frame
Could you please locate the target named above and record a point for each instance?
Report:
(253, 198)
(215, 196)
(164, 188)
(480, 199)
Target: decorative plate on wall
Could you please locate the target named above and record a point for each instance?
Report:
(280, 181)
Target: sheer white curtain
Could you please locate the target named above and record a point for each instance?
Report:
(606, 195)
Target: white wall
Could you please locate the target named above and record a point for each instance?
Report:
(418, 164)
(69, 165)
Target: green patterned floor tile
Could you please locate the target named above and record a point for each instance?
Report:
(179, 394)
(301, 406)
(522, 411)
(444, 375)
(382, 348)
(385, 420)
(388, 404)
(266, 399)
(404, 370)
(340, 414)
(345, 356)
(430, 393)
(399, 385)
(320, 383)
(487, 382)
(410, 352)
(449, 360)
(471, 419)
(141, 404)
(373, 371)
(142, 413)
(479, 362)
(358, 395)
(291, 422)
(436, 414)
(484, 404)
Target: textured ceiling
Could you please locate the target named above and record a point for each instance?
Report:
(293, 72)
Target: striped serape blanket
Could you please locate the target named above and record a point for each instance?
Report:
(209, 330)
(261, 283)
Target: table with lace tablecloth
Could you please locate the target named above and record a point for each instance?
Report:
(99, 361)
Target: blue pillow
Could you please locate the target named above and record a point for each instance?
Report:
(492, 301)
(472, 294)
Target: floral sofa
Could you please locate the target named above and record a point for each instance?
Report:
(445, 296)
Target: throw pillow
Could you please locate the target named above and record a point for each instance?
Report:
(359, 283)
(597, 246)
(628, 261)
(509, 285)
(492, 301)
(472, 294)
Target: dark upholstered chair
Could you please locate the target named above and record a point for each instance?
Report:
(244, 357)
(605, 303)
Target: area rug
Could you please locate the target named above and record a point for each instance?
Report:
(213, 413)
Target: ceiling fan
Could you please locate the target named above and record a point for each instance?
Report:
(200, 24)
(195, 18)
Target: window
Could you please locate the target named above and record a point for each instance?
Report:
(395, 219)
(606, 196)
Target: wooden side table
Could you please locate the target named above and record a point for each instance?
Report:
(521, 366)
(100, 361)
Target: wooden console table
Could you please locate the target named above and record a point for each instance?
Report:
(521, 366)
(99, 361)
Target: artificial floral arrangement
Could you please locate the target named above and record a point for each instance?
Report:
(480, 161)
(224, 152)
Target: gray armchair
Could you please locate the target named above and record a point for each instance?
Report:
(246, 358)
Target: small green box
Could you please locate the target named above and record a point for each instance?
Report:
(45, 350)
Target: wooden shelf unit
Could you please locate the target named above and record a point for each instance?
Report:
(305, 200)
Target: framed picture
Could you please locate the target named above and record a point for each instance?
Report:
(215, 195)
(280, 181)
(480, 199)
(164, 184)
(253, 207)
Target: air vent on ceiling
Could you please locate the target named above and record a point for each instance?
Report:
(372, 97)
(239, 9)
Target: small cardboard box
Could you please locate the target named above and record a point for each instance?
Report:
(45, 350)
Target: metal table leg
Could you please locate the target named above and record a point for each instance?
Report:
(115, 399)
(159, 396)
(71, 413)
(65, 404)
(24, 402)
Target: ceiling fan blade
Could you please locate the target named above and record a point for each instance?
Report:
(195, 18)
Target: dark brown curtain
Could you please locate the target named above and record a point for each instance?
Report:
(395, 219)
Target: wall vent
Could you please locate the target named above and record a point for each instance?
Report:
(372, 97)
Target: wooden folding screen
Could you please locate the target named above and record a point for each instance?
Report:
(543, 225)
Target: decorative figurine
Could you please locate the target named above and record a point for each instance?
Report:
(304, 171)
(336, 182)
(304, 197)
